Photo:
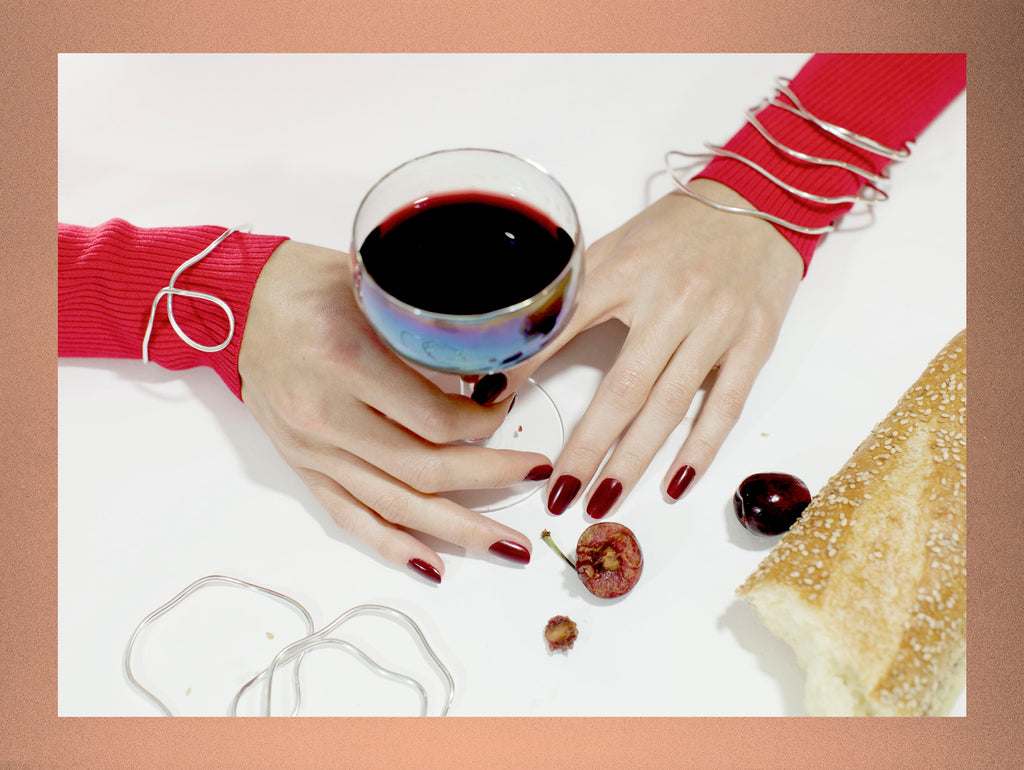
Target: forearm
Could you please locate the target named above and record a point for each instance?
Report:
(108, 277)
(890, 98)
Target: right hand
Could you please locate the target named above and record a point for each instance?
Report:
(365, 432)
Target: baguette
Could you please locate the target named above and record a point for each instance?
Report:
(869, 586)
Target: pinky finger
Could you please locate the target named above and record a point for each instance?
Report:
(389, 541)
(718, 416)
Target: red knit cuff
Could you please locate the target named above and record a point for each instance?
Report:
(109, 276)
(890, 98)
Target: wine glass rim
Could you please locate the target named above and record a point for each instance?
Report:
(469, 318)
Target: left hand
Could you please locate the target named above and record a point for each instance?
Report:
(700, 290)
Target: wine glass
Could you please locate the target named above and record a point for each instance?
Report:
(467, 263)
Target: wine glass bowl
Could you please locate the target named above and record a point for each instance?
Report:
(467, 261)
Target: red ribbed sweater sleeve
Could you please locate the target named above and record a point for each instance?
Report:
(109, 275)
(890, 98)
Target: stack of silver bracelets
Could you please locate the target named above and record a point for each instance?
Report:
(873, 193)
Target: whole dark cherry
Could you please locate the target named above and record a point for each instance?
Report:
(770, 503)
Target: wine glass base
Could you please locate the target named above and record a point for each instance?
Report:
(533, 425)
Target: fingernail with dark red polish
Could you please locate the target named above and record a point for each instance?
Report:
(488, 388)
(512, 402)
(604, 498)
(539, 473)
(680, 482)
(426, 570)
(562, 494)
(511, 551)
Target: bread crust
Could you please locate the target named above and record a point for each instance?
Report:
(869, 586)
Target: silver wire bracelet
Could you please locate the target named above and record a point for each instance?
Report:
(298, 649)
(845, 134)
(170, 291)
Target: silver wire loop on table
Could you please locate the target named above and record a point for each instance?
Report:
(320, 638)
(298, 649)
(170, 291)
(874, 182)
(178, 599)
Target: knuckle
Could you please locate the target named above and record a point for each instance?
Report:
(762, 335)
(305, 416)
(384, 543)
(700, 283)
(627, 391)
(674, 396)
(629, 465)
(439, 426)
(426, 474)
(388, 504)
(726, 314)
(580, 457)
(344, 516)
(702, 450)
(729, 404)
(302, 412)
(345, 351)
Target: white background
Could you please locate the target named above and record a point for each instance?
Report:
(165, 477)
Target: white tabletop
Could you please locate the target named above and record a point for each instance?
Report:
(165, 477)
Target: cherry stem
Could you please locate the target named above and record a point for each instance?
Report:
(546, 537)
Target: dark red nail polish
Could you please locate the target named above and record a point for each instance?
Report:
(562, 494)
(488, 388)
(539, 473)
(512, 402)
(511, 551)
(604, 498)
(680, 482)
(426, 570)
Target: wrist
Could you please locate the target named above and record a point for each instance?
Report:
(297, 285)
(768, 238)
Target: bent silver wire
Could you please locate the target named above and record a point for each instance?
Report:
(878, 180)
(300, 647)
(297, 650)
(682, 185)
(851, 137)
(826, 200)
(178, 599)
(170, 291)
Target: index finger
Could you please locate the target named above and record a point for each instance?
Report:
(409, 398)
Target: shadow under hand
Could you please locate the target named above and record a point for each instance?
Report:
(264, 466)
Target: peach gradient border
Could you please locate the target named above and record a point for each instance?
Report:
(31, 735)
